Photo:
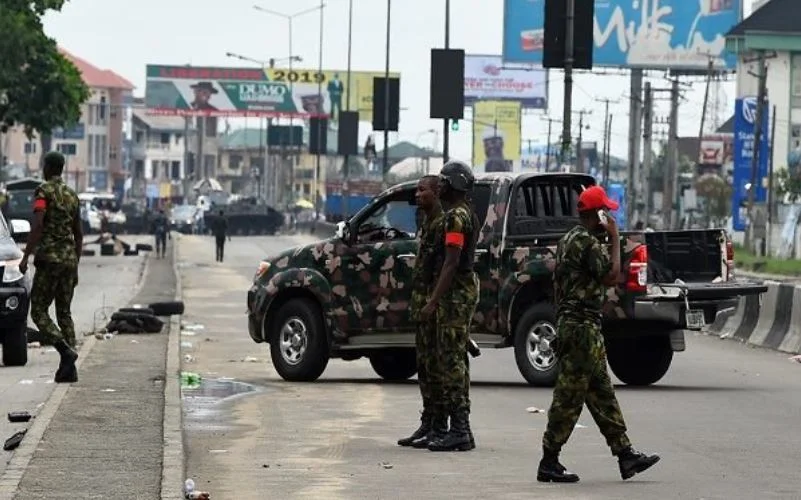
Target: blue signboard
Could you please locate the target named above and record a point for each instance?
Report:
(659, 34)
(617, 192)
(75, 133)
(744, 117)
(98, 179)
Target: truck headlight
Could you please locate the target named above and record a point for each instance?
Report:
(12, 273)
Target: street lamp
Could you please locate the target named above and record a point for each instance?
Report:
(270, 63)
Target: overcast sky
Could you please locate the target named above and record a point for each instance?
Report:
(124, 36)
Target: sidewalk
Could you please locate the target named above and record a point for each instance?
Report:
(105, 440)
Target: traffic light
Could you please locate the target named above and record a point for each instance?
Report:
(447, 84)
(553, 55)
(455, 125)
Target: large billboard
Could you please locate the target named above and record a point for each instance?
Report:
(485, 78)
(659, 34)
(744, 118)
(496, 135)
(202, 91)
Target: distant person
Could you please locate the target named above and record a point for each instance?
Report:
(335, 91)
(161, 230)
(56, 241)
(219, 227)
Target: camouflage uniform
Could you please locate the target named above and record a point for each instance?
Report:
(56, 261)
(582, 262)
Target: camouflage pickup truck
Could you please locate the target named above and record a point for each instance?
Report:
(348, 296)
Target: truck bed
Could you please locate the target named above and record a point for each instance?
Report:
(692, 256)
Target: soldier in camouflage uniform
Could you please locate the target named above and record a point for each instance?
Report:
(56, 241)
(453, 302)
(428, 366)
(583, 271)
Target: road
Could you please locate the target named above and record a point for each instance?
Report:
(724, 419)
(103, 281)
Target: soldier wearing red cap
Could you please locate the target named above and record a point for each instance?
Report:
(584, 270)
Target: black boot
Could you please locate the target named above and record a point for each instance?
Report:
(67, 372)
(439, 428)
(458, 438)
(633, 462)
(551, 471)
(421, 432)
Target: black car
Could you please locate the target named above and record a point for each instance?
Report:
(15, 293)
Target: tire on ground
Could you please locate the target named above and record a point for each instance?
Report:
(639, 360)
(171, 308)
(394, 364)
(148, 322)
(534, 336)
(15, 345)
(137, 310)
(298, 341)
(144, 247)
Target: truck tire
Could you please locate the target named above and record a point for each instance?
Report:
(15, 345)
(395, 365)
(534, 336)
(298, 342)
(639, 361)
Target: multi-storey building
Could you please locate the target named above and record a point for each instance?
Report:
(159, 155)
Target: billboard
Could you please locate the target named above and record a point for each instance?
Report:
(496, 135)
(202, 91)
(744, 118)
(486, 79)
(659, 34)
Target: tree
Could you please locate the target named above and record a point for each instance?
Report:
(39, 88)
(788, 187)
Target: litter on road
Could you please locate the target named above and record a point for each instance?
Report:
(534, 409)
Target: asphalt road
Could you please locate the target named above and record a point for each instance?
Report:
(724, 419)
(103, 282)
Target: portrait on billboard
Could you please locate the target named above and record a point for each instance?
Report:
(202, 95)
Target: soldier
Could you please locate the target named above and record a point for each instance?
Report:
(162, 231)
(219, 227)
(453, 302)
(56, 241)
(432, 425)
(583, 271)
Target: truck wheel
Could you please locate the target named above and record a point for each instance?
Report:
(15, 345)
(534, 336)
(395, 365)
(640, 360)
(298, 344)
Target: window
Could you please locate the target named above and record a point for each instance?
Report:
(399, 212)
(139, 169)
(178, 138)
(101, 110)
(103, 155)
(234, 161)
(165, 138)
(90, 110)
(112, 153)
(176, 170)
(543, 205)
(29, 148)
(140, 136)
(211, 126)
(90, 147)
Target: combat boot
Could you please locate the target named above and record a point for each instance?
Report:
(67, 372)
(458, 438)
(633, 462)
(439, 428)
(421, 432)
(551, 471)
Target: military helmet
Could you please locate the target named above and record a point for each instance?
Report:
(458, 175)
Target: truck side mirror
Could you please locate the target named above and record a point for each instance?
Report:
(343, 231)
(20, 229)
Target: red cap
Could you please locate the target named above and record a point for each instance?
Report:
(594, 198)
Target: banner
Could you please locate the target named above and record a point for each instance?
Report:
(744, 118)
(201, 91)
(657, 34)
(496, 135)
(486, 79)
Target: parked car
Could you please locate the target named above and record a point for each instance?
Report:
(183, 218)
(348, 296)
(15, 293)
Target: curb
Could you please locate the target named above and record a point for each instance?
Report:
(173, 464)
(22, 456)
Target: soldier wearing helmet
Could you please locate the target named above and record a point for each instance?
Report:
(452, 302)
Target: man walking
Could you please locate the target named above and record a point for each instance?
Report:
(56, 241)
(219, 227)
(453, 302)
(433, 423)
(161, 229)
(583, 272)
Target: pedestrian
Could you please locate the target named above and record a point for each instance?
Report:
(219, 227)
(582, 274)
(453, 302)
(55, 241)
(161, 229)
(433, 425)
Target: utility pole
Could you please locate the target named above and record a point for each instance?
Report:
(568, 104)
(770, 181)
(761, 94)
(608, 151)
(446, 128)
(346, 166)
(385, 170)
(671, 170)
(648, 151)
(548, 148)
(579, 158)
(607, 128)
(635, 129)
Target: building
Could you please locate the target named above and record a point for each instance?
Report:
(93, 146)
(159, 155)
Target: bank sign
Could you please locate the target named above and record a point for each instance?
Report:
(658, 34)
(745, 111)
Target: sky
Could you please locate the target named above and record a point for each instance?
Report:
(125, 36)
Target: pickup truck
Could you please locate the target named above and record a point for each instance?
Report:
(348, 296)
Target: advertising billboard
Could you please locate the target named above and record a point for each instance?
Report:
(485, 78)
(496, 135)
(201, 91)
(658, 34)
(744, 118)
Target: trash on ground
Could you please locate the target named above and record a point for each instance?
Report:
(18, 416)
(797, 359)
(188, 333)
(13, 442)
(134, 341)
(108, 336)
(189, 491)
(109, 390)
(386, 465)
(187, 345)
(534, 409)
(26, 381)
(192, 326)
(250, 359)
(190, 380)
(189, 358)
(579, 426)
(218, 451)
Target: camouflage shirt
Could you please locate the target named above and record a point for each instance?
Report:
(582, 262)
(427, 240)
(61, 207)
(458, 229)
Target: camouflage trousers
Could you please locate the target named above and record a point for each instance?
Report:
(429, 366)
(54, 281)
(583, 379)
